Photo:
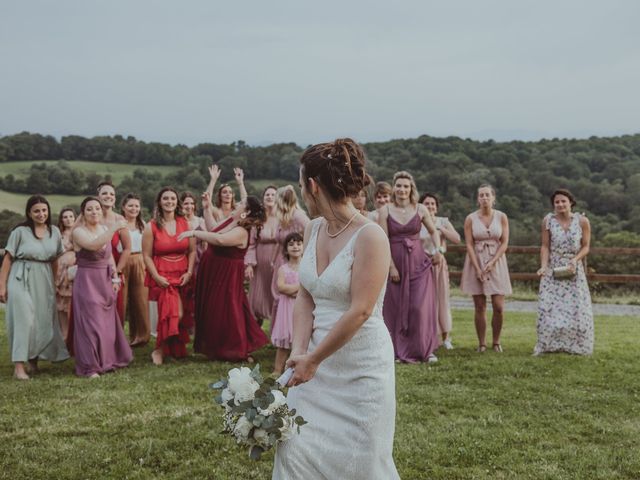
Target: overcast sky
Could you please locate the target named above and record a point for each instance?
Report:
(273, 71)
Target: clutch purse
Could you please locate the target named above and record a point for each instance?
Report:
(563, 273)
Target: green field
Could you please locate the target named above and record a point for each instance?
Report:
(117, 170)
(17, 201)
(471, 416)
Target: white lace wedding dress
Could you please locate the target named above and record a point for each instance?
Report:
(350, 402)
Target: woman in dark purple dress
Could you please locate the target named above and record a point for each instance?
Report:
(410, 301)
(99, 341)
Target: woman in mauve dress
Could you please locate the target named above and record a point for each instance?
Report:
(100, 344)
(66, 269)
(169, 260)
(225, 326)
(134, 293)
(27, 287)
(485, 271)
(440, 270)
(291, 219)
(410, 301)
(260, 257)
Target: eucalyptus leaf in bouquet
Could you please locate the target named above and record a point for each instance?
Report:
(256, 413)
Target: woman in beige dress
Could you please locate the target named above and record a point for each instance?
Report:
(485, 272)
(446, 232)
(66, 269)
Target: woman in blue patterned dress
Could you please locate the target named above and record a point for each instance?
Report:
(565, 316)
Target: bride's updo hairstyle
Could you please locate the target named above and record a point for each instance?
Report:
(338, 168)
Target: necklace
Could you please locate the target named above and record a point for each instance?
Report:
(346, 225)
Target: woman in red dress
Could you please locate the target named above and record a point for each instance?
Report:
(169, 258)
(225, 326)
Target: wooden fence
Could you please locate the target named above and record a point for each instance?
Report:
(594, 277)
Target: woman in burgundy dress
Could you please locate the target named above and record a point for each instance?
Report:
(225, 326)
(169, 258)
(410, 301)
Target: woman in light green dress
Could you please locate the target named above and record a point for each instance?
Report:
(27, 286)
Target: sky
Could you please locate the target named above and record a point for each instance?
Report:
(197, 71)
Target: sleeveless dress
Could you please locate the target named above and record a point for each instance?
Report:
(565, 316)
(134, 293)
(410, 305)
(487, 242)
(225, 326)
(171, 261)
(350, 402)
(99, 342)
(31, 319)
(63, 283)
(261, 255)
(282, 333)
(441, 276)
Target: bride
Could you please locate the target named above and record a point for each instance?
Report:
(344, 379)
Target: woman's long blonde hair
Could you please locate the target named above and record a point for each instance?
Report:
(413, 197)
(286, 204)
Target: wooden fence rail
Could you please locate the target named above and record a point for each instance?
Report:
(595, 277)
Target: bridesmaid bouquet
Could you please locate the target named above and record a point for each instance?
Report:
(256, 413)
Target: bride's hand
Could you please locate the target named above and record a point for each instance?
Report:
(305, 368)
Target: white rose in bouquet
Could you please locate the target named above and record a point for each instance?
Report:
(242, 384)
(288, 428)
(261, 437)
(242, 429)
(226, 396)
(279, 400)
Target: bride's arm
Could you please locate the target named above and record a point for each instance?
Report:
(369, 274)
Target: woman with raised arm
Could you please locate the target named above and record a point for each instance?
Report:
(291, 218)
(485, 271)
(135, 294)
(260, 257)
(99, 342)
(410, 302)
(225, 327)
(440, 270)
(65, 269)
(27, 287)
(225, 201)
(342, 356)
(169, 259)
(565, 315)
(121, 241)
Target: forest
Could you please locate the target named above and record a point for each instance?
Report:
(603, 173)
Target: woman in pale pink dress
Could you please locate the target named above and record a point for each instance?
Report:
(291, 219)
(485, 271)
(260, 257)
(440, 270)
(66, 269)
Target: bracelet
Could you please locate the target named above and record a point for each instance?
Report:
(441, 249)
(116, 281)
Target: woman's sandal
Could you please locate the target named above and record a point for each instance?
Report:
(497, 348)
(481, 348)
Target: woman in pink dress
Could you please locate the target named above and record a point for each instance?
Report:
(169, 259)
(440, 270)
(485, 271)
(410, 300)
(291, 219)
(288, 285)
(66, 269)
(260, 257)
(100, 344)
(225, 327)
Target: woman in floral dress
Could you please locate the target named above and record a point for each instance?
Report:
(565, 316)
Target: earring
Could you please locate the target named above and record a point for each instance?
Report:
(243, 215)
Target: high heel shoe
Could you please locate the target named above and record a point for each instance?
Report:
(497, 348)
(481, 348)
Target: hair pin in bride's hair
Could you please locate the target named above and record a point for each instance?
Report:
(329, 156)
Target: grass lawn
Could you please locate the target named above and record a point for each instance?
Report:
(471, 416)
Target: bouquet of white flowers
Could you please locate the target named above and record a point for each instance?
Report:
(256, 413)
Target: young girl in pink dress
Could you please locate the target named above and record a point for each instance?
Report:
(288, 285)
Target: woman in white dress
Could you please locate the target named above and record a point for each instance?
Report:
(344, 379)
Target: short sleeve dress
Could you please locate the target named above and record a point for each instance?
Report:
(31, 317)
